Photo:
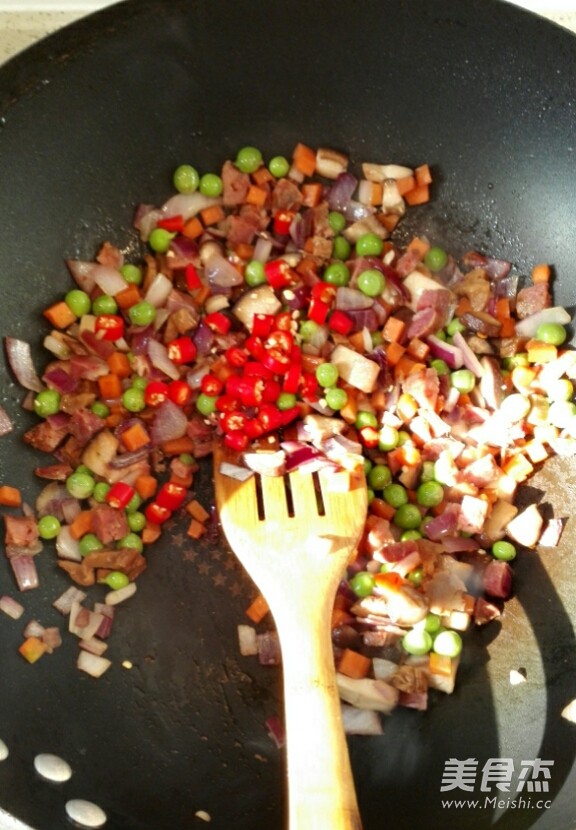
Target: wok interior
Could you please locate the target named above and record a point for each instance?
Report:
(94, 121)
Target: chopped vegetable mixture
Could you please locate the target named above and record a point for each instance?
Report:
(273, 310)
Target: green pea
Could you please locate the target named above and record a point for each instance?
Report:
(436, 258)
(186, 178)
(116, 580)
(560, 390)
(369, 244)
(142, 313)
(403, 437)
(104, 304)
(132, 541)
(248, 159)
(341, 248)
(211, 185)
(407, 517)
(80, 485)
(49, 527)
(416, 577)
(160, 239)
(368, 465)
(395, 494)
(337, 273)
(376, 337)
(254, 273)
(133, 399)
(47, 403)
(427, 473)
(448, 643)
(134, 503)
(362, 583)
(327, 374)
(78, 302)
(279, 166)
(463, 380)
(286, 400)
(440, 366)
(136, 521)
(100, 491)
(371, 282)
(336, 398)
(432, 623)
(454, 326)
(552, 333)
(308, 329)
(503, 550)
(131, 273)
(100, 409)
(337, 221)
(417, 641)
(430, 493)
(206, 404)
(380, 476)
(520, 359)
(365, 419)
(410, 536)
(89, 543)
(388, 438)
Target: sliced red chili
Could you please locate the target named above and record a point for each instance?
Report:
(192, 277)
(277, 361)
(291, 380)
(218, 322)
(119, 494)
(269, 417)
(236, 356)
(340, 322)
(174, 224)
(227, 403)
(256, 369)
(110, 326)
(318, 311)
(233, 420)
(271, 391)
(156, 514)
(237, 440)
(211, 385)
(262, 324)
(369, 437)
(281, 221)
(253, 428)
(255, 347)
(278, 273)
(247, 390)
(283, 321)
(156, 392)
(180, 392)
(324, 291)
(171, 495)
(309, 387)
(181, 350)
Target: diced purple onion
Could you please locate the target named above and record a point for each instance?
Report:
(170, 422)
(11, 607)
(20, 359)
(220, 272)
(6, 424)
(158, 354)
(82, 273)
(447, 352)
(469, 357)
(25, 573)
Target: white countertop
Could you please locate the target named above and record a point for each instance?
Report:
(19, 28)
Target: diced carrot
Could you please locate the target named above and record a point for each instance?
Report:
(440, 664)
(540, 352)
(201, 295)
(145, 486)
(409, 455)
(256, 196)
(312, 193)
(304, 159)
(541, 273)
(423, 175)
(388, 220)
(60, 315)
(81, 524)
(405, 184)
(32, 649)
(464, 306)
(244, 250)
(212, 215)
(195, 529)
(193, 228)
(119, 364)
(114, 419)
(522, 377)
(110, 386)
(262, 176)
(404, 367)
(340, 617)
(504, 317)
(353, 664)
(135, 437)
(197, 511)
(151, 533)
(349, 411)
(418, 349)
(394, 329)
(10, 496)
(381, 508)
(257, 609)
(356, 341)
(418, 196)
(419, 247)
(469, 603)
(128, 297)
(177, 446)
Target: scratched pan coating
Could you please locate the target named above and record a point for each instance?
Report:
(93, 121)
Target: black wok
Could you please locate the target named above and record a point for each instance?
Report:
(93, 121)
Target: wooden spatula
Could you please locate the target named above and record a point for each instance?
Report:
(295, 537)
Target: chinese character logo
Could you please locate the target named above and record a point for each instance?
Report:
(533, 776)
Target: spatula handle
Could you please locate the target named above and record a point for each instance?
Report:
(321, 793)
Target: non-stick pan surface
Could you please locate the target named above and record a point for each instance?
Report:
(93, 121)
